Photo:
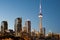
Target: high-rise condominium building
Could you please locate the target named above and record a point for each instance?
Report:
(18, 26)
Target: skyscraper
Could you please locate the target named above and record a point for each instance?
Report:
(28, 25)
(18, 26)
(40, 16)
(4, 27)
(44, 30)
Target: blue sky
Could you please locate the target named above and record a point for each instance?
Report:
(29, 9)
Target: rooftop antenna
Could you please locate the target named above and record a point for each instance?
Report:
(40, 7)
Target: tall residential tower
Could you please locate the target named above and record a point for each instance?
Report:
(4, 27)
(18, 26)
(28, 25)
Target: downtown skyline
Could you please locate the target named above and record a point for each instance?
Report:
(29, 9)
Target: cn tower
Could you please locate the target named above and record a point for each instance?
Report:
(40, 16)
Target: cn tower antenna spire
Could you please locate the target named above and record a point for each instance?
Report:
(40, 7)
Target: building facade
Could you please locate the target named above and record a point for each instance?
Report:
(28, 25)
(4, 27)
(18, 26)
